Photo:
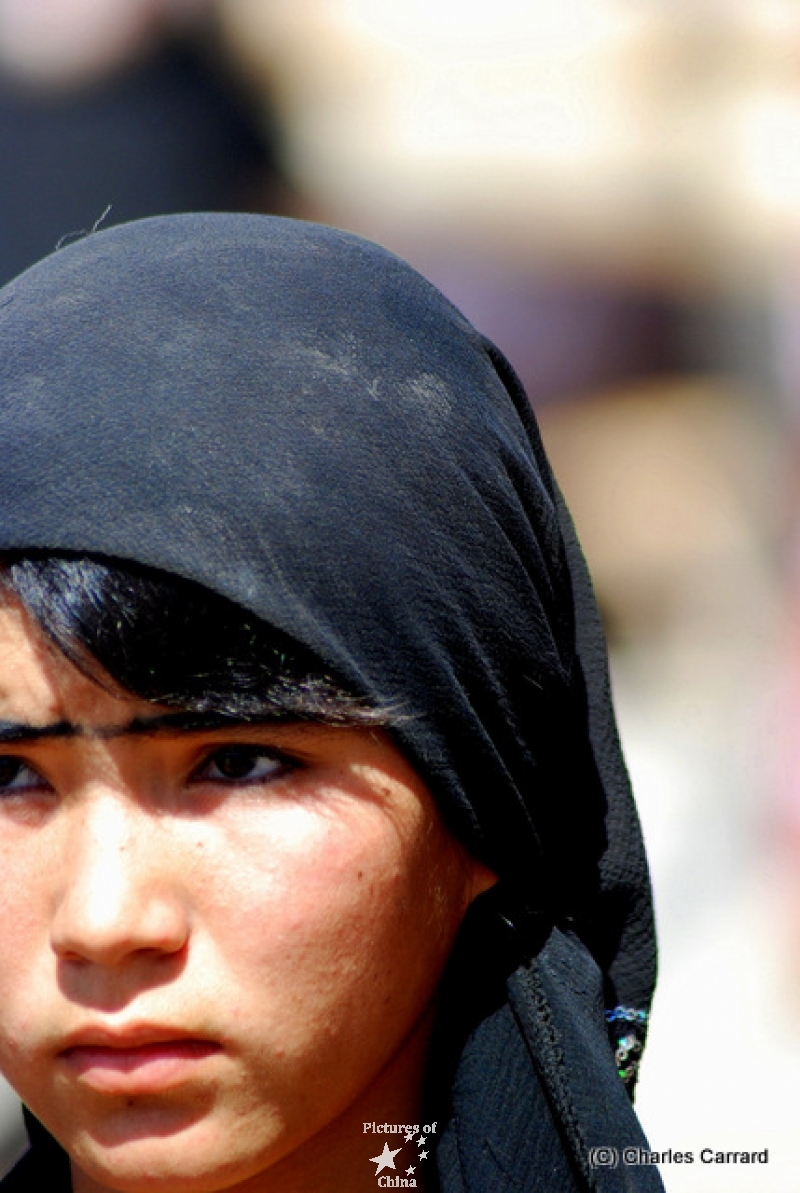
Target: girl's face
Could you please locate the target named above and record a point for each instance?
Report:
(218, 945)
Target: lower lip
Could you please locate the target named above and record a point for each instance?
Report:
(149, 1068)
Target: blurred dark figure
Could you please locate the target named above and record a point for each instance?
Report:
(148, 120)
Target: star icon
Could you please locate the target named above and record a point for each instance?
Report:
(409, 1136)
(421, 1140)
(385, 1159)
(422, 1156)
(410, 1170)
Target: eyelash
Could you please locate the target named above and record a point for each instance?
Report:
(11, 769)
(279, 765)
(14, 769)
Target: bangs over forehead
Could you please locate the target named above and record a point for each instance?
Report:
(174, 643)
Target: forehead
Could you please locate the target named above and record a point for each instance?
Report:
(44, 696)
(40, 687)
(30, 670)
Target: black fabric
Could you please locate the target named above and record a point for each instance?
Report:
(43, 1169)
(296, 419)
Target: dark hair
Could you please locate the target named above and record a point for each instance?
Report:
(173, 642)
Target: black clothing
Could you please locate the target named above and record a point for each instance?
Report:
(294, 418)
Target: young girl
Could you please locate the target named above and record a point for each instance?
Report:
(319, 869)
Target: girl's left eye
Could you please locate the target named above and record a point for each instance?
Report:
(241, 764)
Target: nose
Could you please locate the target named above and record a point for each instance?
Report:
(121, 895)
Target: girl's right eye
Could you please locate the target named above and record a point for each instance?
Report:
(16, 777)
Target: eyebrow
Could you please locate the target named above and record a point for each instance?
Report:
(17, 731)
(12, 732)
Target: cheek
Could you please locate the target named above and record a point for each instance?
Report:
(341, 925)
(27, 972)
(26, 873)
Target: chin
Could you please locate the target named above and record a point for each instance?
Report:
(200, 1159)
(177, 1174)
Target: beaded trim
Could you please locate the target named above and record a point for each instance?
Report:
(627, 1028)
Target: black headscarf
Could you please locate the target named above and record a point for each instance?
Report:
(297, 420)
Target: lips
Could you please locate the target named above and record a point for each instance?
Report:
(142, 1059)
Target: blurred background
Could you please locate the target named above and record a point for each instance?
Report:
(610, 189)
